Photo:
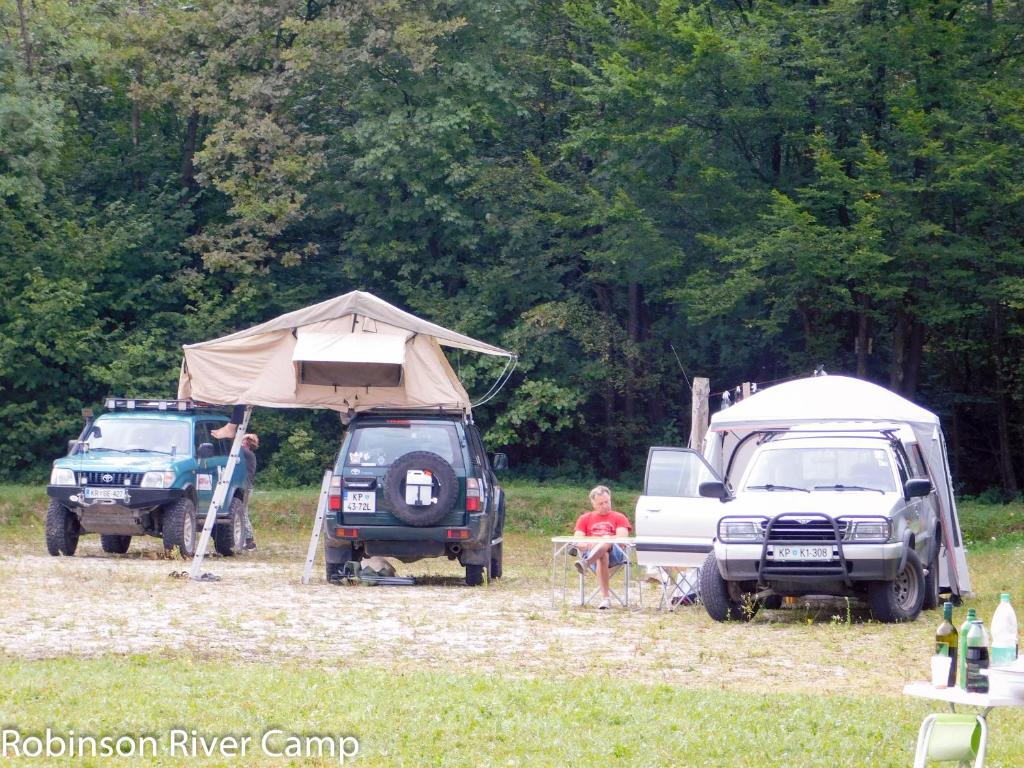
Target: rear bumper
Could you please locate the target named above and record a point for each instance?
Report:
(407, 541)
(864, 562)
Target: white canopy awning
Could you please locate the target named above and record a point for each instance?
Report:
(848, 402)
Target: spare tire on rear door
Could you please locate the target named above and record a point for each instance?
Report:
(443, 492)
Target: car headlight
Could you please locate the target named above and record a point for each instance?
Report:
(60, 476)
(740, 530)
(868, 530)
(158, 480)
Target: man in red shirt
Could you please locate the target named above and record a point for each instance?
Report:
(602, 521)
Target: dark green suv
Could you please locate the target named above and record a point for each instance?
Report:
(415, 485)
(146, 467)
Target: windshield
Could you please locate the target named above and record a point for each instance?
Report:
(818, 468)
(138, 435)
(379, 445)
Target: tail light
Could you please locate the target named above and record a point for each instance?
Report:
(472, 494)
(334, 494)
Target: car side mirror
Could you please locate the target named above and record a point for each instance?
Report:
(204, 451)
(714, 489)
(499, 462)
(919, 486)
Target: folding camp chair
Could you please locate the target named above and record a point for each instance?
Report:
(679, 587)
(951, 737)
(588, 596)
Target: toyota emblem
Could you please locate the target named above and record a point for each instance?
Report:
(107, 478)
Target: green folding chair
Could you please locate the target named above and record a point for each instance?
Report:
(951, 737)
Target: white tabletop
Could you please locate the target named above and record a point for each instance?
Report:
(957, 695)
(627, 540)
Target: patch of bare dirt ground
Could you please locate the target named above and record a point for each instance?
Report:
(95, 604)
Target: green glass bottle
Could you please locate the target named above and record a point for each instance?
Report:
(947, 641)
(961, 666)
(977, 659)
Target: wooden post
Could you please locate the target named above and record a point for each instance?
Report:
(746, 389)
(699, 415)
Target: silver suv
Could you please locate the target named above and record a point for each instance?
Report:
(845, 513)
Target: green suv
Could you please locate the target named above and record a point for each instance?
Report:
(415, 485)
(145, 467)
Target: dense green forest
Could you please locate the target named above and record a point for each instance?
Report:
(626, 193)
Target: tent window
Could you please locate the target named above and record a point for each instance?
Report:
(347, 374)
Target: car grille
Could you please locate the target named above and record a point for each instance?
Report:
(110, 479)
(790, 529)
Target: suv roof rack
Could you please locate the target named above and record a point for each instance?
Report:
(440, 410)
(151, 404)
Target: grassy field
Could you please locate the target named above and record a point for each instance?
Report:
(409, 705)
(427, 719)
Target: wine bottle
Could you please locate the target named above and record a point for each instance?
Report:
(947, 641)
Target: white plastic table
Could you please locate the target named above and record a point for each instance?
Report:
(560, 546)
(957, 695)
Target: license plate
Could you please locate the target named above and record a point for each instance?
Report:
(802, 553)
(104, 493)
(359, 501)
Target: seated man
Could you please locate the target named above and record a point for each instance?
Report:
(602, 521)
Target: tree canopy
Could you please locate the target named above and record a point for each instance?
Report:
(627, 193)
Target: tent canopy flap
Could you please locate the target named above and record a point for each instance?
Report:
(352, 360)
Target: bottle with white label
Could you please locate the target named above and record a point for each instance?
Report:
(1004, 633)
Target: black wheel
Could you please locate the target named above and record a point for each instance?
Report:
(722, 600)
(179, 527)
(115, 545)
(901, 598)
(444, 491)
(229, 536)
(931, 581)
(474, 575)
(62, 530)
(335, 558)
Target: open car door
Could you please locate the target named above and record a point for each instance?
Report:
(675, 525)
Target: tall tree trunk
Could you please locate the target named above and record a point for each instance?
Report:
(25, 39)
(188, 171)
(907, 352)
(912, 370)
(1006, 470)
(899, 352)
(136, 123)
(863, 338)
(635, 331)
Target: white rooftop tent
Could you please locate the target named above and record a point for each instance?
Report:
(841, 399)
(353, 352)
